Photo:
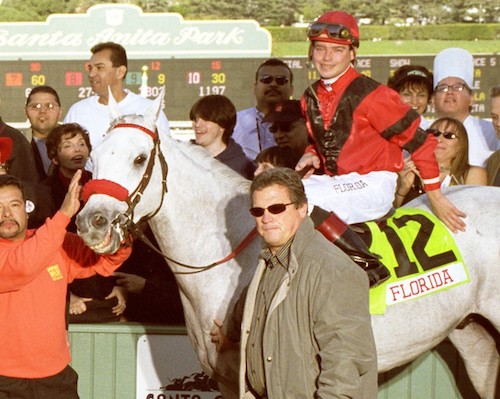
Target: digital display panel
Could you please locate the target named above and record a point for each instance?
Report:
(186, 80)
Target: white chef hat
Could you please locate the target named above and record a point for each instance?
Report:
(454, 62)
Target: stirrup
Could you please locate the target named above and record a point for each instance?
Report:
(377, 273)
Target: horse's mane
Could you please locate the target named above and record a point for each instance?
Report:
(203, 159)
(194, 152)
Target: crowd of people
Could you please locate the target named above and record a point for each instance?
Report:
(345, 131)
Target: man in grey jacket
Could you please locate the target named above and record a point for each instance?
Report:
(305, 325)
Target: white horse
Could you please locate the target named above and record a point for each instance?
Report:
(197, 209)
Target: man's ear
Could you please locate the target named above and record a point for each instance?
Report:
(55, 161)
(303, 210)
(122, 70)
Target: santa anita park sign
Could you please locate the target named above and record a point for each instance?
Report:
(165, 35)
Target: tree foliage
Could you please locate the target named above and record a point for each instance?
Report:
(275, 12)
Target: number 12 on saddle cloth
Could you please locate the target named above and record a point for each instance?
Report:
(421, 255)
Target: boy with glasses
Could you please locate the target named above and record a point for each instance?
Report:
(43, 109)
(453, 98)
(273, 85)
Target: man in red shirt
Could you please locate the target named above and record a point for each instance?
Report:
(35, 268)
(358, 129)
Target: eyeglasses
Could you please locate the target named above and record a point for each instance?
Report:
(275, 209)
(446, 135)
(268, 79)
(457, 87)
(334, 31)
(47, 107)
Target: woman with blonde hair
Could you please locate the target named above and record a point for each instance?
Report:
(452, 155)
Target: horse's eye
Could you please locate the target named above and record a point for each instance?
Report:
(140, 159)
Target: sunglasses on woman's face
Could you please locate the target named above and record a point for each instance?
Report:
(447, 135)
(275, 209)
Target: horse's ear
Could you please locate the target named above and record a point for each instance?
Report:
(113, 109)
(153, 112)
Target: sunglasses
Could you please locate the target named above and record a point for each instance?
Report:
(457, 87)
(284, 127)
(268, 79)
(275, 209)
(446, 135)
(334, 31)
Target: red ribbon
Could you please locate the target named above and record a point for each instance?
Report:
(103, 186)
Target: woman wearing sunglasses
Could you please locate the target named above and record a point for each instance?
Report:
(452, 155)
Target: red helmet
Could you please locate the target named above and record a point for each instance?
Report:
(335, 27)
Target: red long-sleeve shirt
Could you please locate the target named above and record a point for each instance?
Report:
(34, 274)
(366, 149)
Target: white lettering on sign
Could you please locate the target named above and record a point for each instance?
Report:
(195, 35)
(139, 37)
(399, 62)
(58, 38)
(69, 36)
(426, 283)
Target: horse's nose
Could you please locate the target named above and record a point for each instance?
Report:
(98, 221)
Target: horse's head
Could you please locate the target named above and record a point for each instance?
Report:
(128, 182)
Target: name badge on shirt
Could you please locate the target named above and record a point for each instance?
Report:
(55, 272)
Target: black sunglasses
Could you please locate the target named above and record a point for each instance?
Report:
(268, 79)
(446, 135)
(275, 209)
(283, 126)
(334, 31)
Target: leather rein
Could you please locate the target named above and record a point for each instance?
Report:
(124, 222)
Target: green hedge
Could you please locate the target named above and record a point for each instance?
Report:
(428, 32)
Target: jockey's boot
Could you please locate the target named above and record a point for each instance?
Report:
(338, 232)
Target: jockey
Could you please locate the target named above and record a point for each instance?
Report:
(358, 129)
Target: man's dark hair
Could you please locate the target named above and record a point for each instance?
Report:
(411, 76)
(273, 62)
(55, 136)
(284, 177)
(43, 89)
(118, 54)
(218, 109)
(285, 157)
(9, 180)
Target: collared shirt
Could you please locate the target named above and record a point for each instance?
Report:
(276, 269)
(252, 133)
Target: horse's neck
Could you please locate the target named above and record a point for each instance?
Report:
(203, 208)
(204, 217)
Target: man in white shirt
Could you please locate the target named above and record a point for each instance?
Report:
(453, 98)
(273, 85)
(108, 67)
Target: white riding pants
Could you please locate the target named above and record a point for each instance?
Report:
(353, 197)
